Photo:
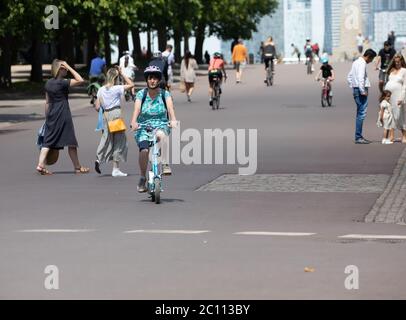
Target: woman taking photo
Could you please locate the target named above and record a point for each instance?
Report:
(113, 145)
(59, 130)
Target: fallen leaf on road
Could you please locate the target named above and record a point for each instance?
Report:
(309, 269)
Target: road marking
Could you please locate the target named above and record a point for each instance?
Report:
(169, 231)
(372, 236)
(266, 233)
(56, 230)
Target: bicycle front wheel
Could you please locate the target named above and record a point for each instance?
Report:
(157, 193)
(324, 101)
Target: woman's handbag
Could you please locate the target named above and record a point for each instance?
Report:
(116, 125)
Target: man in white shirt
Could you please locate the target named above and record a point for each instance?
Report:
(126, 55)
(169, 56)
(359, 82)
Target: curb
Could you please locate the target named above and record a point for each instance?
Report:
(390, 207)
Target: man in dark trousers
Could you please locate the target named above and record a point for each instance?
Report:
(359, 82)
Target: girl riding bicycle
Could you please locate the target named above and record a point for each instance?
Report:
(327, 73)
(153, 107)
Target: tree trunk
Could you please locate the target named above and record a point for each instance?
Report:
(67, 46)
(122, 39)
(5, 61)
(162, 38)
(177, 39)
(137, 53)
(200, 35)
(91, 45)
(36, 58)
(186, 42)
(107, 49)
(149, 44)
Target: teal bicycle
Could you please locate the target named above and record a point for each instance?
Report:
(154, 183)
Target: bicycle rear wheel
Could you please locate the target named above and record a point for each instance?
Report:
(218, 98)
(329, 99)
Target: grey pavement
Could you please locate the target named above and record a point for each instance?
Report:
(109, 242)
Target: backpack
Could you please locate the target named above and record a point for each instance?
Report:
(269, 50)
(144, 97)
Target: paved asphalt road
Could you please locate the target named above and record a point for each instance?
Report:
(295, 136)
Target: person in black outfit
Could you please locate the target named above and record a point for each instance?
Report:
(207, 57)
(162, 63)
(385, 56)
(392, 38)
(59, 130)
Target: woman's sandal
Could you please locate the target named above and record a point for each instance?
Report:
(82, 170)
(43, 171)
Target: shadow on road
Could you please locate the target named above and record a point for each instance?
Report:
(8, 131)
(20, 117)
(163, 200)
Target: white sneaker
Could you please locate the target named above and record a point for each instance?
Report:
(118, 173)
(387, 141)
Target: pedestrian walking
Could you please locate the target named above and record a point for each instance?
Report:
(240, 59)
(296, 52)
(207, 57)
(113, 145)
(385, 119)
(261, 51)
(358, 80)
(59, 130)
(170, 58)
(188, 74)
(392, 38)
(397, 85)
(360, 43)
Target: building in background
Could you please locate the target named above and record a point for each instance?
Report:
(334, 20)
(386, 16)
(324, 21)
(292, 22)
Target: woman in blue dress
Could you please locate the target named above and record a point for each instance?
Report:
(153, 107)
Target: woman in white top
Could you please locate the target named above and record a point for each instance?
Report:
(188, 74)
(113, 146)
(397, 85)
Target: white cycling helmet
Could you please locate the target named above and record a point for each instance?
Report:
(152, 70)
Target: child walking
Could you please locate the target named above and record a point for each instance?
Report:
(386, 118)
